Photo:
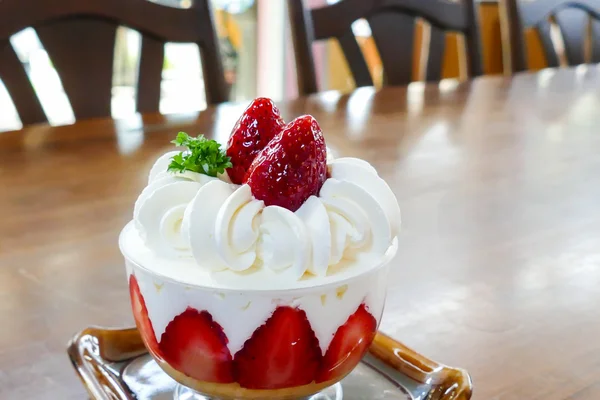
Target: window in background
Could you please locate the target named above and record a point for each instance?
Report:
(125, 69)
(182, 88)
(320, 55)
(271, 38)
(236, 22)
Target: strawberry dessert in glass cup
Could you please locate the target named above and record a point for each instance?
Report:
(259, 271)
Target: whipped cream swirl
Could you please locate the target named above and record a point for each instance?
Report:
(223, 228)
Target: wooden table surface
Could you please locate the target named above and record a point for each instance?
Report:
(499, 263)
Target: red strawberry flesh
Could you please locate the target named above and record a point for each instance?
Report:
(259, 123)
(140, 314)
(292, 167)
(196, 345)
(349, 345)
(282, 353)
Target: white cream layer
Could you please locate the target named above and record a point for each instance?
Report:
(240, 313)
(192, 221)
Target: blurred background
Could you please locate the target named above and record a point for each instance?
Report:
(257, 56)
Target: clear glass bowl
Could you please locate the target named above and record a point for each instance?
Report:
(257, 344)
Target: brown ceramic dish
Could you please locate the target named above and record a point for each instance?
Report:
(113, 364)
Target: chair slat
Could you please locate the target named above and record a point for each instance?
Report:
(356, 60)
(595, 33)
(152, 57)
(82, 52)
(392, 23)
(435, 56)
(544, 31)
(19, 86)
(302, 38)
(79, 37)
(572, 18)
(394, 36)
(573, 25)
(334, 20)
(441, 13)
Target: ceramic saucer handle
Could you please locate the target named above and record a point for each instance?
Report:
(104, 344)
(450, 383)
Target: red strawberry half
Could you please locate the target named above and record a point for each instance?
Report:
(348, 346)
(256, 127)
(140, 313)
(292, 167)
(195, 344)
(283, 352)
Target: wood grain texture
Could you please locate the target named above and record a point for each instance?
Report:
(79, 37)
(498, 268)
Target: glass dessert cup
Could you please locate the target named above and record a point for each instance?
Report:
(257, 344)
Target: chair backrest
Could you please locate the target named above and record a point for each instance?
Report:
(392, 25)
(79, 37)
(577, 20)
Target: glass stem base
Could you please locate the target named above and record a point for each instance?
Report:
(334, 392)
(183, 393)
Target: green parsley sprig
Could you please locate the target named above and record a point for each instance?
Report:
(203, 156)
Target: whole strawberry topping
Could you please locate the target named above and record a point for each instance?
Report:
(348, 346)
(197, 346)
(256, 127)
(283, 352)
(140, 314)
(292, 167)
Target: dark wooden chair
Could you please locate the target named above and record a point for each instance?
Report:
(577, 20)
(79, 36)
(392, 24)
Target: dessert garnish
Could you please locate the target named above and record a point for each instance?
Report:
(270, 209)
(259, 123)
(223, 237)
(203, 156)
(292, 167)
(283, 164)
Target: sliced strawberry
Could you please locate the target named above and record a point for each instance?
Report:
(292, 167)
(140, 313)
(256, 127)
(283, 352)
(349, 345)
(197, 346)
